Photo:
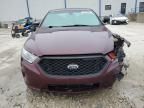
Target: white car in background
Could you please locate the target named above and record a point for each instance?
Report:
(118, 19)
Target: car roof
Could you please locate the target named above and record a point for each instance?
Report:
(71, 9)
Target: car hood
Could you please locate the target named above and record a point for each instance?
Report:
(70, 42)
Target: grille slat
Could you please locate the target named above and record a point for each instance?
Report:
(86, 65)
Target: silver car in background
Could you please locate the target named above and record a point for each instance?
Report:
(118, 19)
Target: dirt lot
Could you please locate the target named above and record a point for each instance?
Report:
(128, 93)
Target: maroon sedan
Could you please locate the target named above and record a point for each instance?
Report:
(73, 51)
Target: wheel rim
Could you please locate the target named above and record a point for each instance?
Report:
(115, 22)
(17, 35)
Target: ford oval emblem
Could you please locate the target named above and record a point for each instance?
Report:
(73, 66)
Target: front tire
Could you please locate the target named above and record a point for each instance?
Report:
(17, 35)
(114, 22)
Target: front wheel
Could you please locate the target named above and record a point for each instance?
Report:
(113, 22)
(17, 35)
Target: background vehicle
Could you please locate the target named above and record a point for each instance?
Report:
(115, 20)
(118, 19)
(23, 27)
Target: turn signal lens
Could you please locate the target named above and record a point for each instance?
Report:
(112, 55)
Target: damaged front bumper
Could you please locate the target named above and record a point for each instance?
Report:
(106, 78)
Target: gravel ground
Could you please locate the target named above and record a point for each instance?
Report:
(128, 93)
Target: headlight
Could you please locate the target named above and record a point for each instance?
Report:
(28, 56)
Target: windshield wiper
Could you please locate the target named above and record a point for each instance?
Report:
(76, 25)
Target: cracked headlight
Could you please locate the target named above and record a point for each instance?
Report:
(29, 57)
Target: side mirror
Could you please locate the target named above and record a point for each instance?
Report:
(106, 20)
(104, 23)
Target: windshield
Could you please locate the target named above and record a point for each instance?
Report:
(77, 18)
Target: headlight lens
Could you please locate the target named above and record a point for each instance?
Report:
(28, 56)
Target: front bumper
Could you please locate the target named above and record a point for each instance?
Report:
(35, 78)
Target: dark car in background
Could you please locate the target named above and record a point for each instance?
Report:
(72, 51)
